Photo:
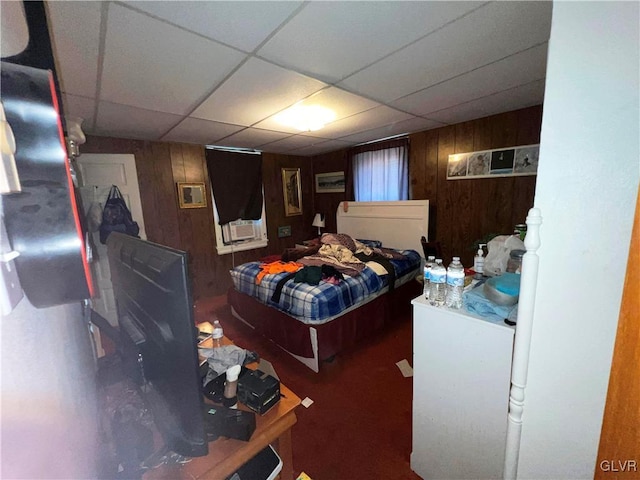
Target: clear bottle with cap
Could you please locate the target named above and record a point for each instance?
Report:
(455, 283)
(230, 395)
(431, 259)
(437, 283)
(217, 334)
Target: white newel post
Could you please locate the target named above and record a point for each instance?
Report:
(522, 343)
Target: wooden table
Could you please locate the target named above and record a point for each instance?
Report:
(227, 455)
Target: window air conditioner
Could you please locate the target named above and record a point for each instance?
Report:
(239, 230)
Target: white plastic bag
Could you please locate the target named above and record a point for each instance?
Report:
(94, 217)
(499, 249)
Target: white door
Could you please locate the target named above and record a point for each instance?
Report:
(97, 173)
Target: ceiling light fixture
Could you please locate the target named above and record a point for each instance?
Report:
(306, 118)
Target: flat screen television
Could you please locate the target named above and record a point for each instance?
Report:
(159, 338)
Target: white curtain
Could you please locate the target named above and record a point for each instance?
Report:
(381, 175)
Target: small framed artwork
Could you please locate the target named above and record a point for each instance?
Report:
(291, 189)
(331, 182)
(192, 195)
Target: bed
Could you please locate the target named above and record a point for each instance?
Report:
(314, 323)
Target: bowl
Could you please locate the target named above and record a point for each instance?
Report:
(503, 290)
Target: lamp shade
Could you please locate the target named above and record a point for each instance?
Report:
(318, 221)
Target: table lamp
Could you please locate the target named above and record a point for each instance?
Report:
(318, 221)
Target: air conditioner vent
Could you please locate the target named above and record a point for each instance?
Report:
(239, 230)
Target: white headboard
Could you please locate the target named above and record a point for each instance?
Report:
(396, 224)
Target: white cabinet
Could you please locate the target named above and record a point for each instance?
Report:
(461, 381)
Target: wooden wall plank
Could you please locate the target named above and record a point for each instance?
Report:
(464, 211)
(444, 224)
(418, 166)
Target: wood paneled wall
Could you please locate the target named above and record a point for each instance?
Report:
(327, 203)
(461, 211)
(161, 165)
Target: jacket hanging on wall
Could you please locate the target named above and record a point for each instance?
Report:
(116, 217)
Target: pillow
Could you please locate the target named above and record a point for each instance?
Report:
(338, 239)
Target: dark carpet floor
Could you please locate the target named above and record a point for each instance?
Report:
(359, 426)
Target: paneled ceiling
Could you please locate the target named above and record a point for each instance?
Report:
(216, 73)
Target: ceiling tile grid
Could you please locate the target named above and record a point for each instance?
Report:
(77, 38)
(256, 91)
(203, 132)
(217, 72)
(153, 65)
(240, 24)
(515, 70)
(132, 122)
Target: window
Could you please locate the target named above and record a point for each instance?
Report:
(238, 199)
(239, 235)
(381, 172)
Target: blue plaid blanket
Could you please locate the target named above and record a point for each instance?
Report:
(317, 303)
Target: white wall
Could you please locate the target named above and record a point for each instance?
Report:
(48, 418)
(586, 190)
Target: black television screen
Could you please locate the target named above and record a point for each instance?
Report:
(153, 298)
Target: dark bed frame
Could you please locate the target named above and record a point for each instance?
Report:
(313, 344)
(397, 225)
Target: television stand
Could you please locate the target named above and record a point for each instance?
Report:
(164, 456)
(227, 455)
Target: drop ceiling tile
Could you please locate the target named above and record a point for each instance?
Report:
(243, 25)
(341, 102)
(273, 148)
(153, 65)
(398, 128)
(513, 99)
(202, 132)
(323, 147)
(256, 91)
(82, 107)
(76, 42)
(252, 138)
(354, 34)
(130, 122)
(484, 36)
(374, 118)
(291, 143)
(512, 71)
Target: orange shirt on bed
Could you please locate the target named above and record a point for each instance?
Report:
(277, 267)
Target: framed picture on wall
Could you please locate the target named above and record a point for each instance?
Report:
(331, 182)
(503, 162)
(291, 189)
(192, 195)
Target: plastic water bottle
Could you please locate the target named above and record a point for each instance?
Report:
(437, 283)
(455, 283)
(427, 270)
(217, 334)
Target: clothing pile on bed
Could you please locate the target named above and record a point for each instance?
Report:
(339, 274)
